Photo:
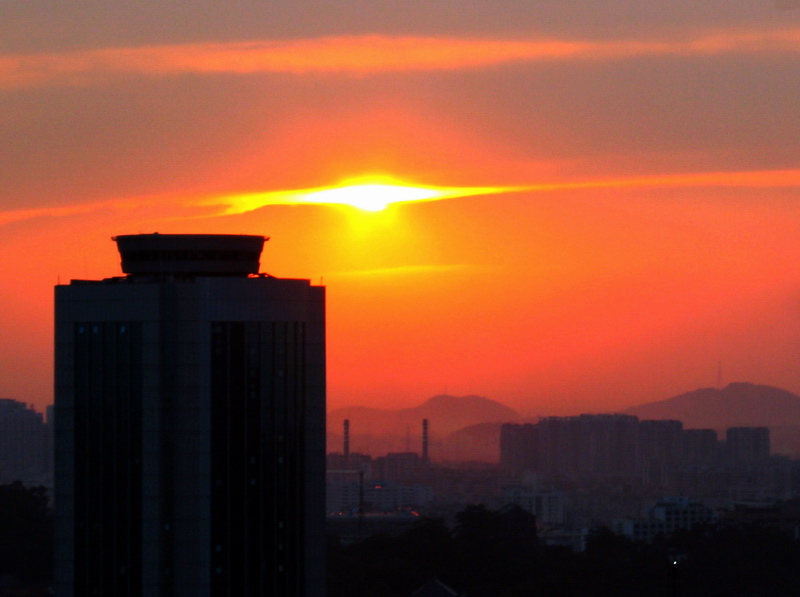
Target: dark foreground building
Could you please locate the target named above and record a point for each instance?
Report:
(190, 425)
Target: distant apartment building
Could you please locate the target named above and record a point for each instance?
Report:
(583, 445)
(348, 463)
(374, 496)
(747, 444)
(594, 446)
(701, 446)
(665, 517)
(25, 445)
(399, 466)
(659, 450)
(548, 506)
(357, 482)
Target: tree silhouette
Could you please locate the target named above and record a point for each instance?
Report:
(26, 533)
(495, 553)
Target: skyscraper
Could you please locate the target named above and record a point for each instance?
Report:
(190, 424)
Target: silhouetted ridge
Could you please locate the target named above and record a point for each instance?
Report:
(378, 430)
(739, 404)
(446, 414)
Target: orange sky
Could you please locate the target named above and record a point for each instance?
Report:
(639, 224)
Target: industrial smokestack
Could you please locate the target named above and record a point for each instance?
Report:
(347, 438)
(424, 440)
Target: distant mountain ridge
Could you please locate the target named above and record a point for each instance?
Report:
(379, 430)
(446, 414)
(468, 427)
(738, 404)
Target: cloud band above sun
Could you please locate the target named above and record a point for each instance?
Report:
(362, 55)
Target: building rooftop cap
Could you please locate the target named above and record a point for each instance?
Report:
(157, 254)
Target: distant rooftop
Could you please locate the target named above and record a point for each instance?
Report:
(157, 254)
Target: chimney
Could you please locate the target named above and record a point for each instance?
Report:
(347, 438)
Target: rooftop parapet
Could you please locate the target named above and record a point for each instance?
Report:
(157, 254)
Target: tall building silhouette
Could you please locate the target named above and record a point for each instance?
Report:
(190, 425)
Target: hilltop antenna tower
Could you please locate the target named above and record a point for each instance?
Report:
(425, 440)
(347, 438)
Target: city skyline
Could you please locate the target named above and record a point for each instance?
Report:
(618, 206)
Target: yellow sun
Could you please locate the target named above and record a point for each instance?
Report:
(369, 193)
(371, 197)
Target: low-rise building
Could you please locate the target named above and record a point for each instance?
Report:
(665, 517)
(548, 506)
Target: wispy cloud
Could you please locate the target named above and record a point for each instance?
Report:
(368, 193)
(18, 215)
(246, 202)
(361, 55)
(754, 178)
(157, 207)
(163, 208)
(406, 270)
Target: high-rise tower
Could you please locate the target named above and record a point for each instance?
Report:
(190, 425)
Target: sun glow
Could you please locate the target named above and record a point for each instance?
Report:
(372, 197)
(366, 193)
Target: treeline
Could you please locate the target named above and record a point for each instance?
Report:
(494, 554)
(26, 540)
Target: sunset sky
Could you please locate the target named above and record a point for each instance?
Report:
(610, 203)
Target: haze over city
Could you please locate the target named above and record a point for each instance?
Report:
(600, 206)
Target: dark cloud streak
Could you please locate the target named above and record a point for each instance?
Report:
(48, 25)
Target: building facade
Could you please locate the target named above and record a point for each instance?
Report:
(190, 425)
(747, 444)
(549, 507)
(614, 445)
(25, 445)
(665, 517)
